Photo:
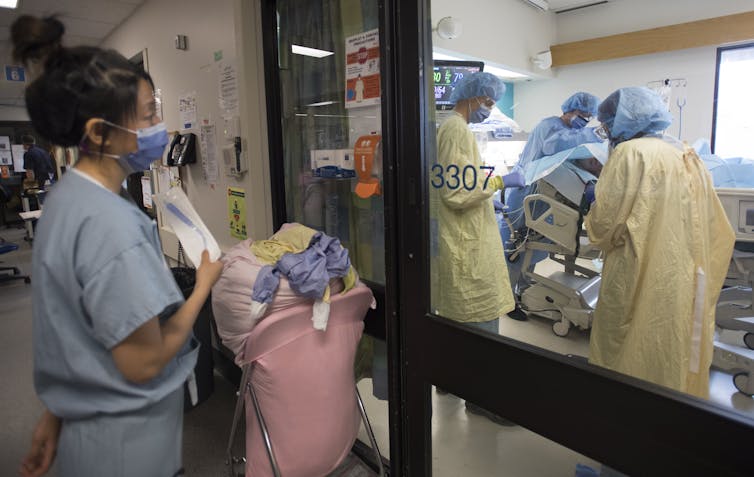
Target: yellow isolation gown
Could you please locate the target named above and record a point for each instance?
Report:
(667, 244)
(471, 274)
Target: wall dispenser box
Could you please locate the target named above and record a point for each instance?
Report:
(234, 159)
(332, 163)
(368, 164)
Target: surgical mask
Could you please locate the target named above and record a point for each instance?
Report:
(579, 122)
(479, 114)
(151, 143)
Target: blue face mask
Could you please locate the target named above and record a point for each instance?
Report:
(479, 114)
(151, 143)
(578, 122)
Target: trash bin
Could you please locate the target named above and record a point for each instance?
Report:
(203, 372)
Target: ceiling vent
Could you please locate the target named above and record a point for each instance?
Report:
(574, 8)
(540, 5)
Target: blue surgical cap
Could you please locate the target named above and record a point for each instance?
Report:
(581, 102)
(478, 84)
(630, 111)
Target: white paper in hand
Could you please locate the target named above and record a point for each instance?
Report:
(180, 215)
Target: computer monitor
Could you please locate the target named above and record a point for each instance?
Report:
(447, 74)
(739, 207)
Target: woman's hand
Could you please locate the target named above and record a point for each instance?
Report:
(208, 272)
(44, 444)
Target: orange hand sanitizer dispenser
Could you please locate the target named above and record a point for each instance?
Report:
(368, 165)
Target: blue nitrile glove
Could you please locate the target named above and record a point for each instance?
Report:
(514, 180)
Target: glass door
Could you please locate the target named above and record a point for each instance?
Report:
(325, 75)
(326, 122)
(483, 394)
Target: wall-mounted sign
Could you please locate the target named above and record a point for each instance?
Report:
(363, 69)
(237, 212)
(15, 73)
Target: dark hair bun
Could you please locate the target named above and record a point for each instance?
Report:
(35, 38)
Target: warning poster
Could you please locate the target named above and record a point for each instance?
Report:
(237, 212)
(363, 69)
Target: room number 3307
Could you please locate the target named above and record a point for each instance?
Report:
(453, 177)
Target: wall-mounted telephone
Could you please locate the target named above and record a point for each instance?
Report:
(182, 150)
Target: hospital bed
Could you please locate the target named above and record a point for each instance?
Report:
(734, 314)
(553, 217)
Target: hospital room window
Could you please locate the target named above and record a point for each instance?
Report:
(733, 123)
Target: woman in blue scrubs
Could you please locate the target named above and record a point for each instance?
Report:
(112, 332)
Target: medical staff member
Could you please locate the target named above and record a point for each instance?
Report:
(37, 161)
(474, 286)
(550, 136)
(472, 281)
(112, 333)
(667, 246)
(558, 133)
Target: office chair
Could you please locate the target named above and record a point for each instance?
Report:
(10, 273)
(5, 197)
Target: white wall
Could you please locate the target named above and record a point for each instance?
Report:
(210, 27)
(622, 16)
(13, 113)
(538, 99)
(506, 32)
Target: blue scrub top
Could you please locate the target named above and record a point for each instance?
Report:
(551, 136)
(99, 274)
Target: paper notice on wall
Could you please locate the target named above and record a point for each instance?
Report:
(363, 69)
(237, 212)
(187, 110)
(228, 85)
(167, 178)
(18, 157)
(146, 191)
(208, 144)
(6, 157)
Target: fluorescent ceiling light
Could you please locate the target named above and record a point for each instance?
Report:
(323, 103)
(436, 55)
(8, 3)
(306, 51)
(501, 72)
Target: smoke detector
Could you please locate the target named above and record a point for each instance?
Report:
(449, 28)
(542, 60)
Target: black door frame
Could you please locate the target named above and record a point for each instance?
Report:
(382, 322)
(630, 425)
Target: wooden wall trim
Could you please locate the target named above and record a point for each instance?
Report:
(712, 31)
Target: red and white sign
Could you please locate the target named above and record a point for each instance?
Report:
(363, 69)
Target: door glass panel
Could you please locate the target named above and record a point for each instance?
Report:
(640, 295)
(331, 121)
(329, 60)
(469, 441)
